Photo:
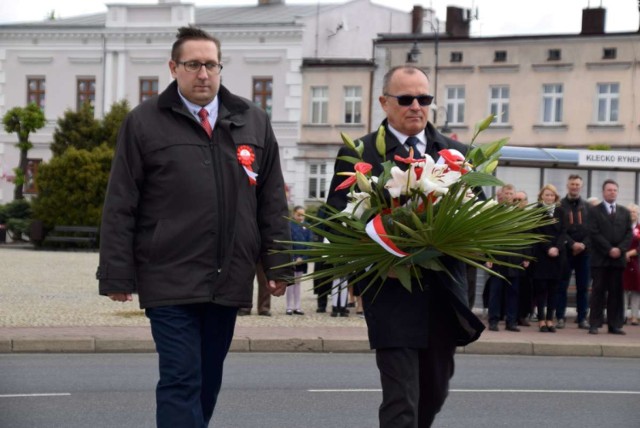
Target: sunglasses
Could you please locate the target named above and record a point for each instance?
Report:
(407, 100)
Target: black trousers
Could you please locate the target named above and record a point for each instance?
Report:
(415, 382)
(606, 289)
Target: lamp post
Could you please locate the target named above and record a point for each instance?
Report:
(413, 57)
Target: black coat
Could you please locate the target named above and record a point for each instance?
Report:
(395, 317)
(543, 266)
(607, 232)
(181, 222)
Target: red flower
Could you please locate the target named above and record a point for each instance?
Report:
(361, 167)
(454, 160)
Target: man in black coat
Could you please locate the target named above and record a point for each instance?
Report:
(610, 228)
(415, 333)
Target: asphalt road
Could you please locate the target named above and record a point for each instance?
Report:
(319, 391)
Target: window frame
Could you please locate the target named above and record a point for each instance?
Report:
(146, 94)
(455, 106)
(501, 102)
(319, 109)
(91, 83)
(39, 92)
(556, 103)
(608, 98)
(320, 178)
(352, 105)
(265, 95)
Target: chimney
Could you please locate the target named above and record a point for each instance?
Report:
(593, 20)
(458, 20)
(417, 15)
(268, 2)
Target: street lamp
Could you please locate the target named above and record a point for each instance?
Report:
(414, 54)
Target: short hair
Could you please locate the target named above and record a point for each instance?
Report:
(409, 69)
(550, 187)
(298, 207)
(574, 177)
(191, 33)
(609, 181)
(508, 187)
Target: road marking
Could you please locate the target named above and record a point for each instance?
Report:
(53, 394)
(519, 391)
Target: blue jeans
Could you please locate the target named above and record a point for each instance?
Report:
(496, 286)
(192, 342)
(579, 264)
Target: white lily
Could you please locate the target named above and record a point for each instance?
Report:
(358, 203)
(401, 181)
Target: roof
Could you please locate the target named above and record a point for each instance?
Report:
(272, 14)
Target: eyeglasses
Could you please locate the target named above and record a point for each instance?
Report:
(195, 66)
(407, 100)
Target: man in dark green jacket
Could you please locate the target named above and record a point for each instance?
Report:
(195, 198)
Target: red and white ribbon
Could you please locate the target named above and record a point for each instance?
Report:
(375, 230)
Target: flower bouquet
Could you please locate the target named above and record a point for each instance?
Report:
(409, 217)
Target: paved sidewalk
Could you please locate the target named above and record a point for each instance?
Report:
(49, 303)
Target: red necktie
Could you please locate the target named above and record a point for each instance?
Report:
(204, 121)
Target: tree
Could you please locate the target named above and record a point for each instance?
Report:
(77, 129)
(112, 121)
(81, 130)
(72, 186)
(23, 121)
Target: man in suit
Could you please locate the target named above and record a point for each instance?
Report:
(610, 230)
(415, 333)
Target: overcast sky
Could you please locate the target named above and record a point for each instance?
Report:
(495, 17)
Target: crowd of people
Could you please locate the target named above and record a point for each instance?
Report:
(594, 240)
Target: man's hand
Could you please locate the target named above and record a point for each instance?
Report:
(615, 253)
(577, 248)
(277, 288)
(121, 297)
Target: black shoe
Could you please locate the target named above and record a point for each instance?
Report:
(551, 329)
(512, 327)
(298, 312)
(289, 312)
(265, 313)
(321, 310)
(544, 329)
(524, 322)
(493, 326)
(334, 314)
(344, 313)
(244, 312)
(584, 325)
(593, 330)
(351, 305)
(613, 330)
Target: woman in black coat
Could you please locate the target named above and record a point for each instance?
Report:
(549, 256)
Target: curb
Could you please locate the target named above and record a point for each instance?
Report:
(89, 344)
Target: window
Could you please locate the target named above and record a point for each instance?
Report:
(609, 53)
(317, 181)
(319, 104)
(456, 56)
(553, 55)
(148, 88)
(608, 102)
(35, 91)
(455, 105)
(552, 104)
(499, 56)
(352, 104)
(86, 92)
(263, 92)
(499, 103)
(30, 175)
